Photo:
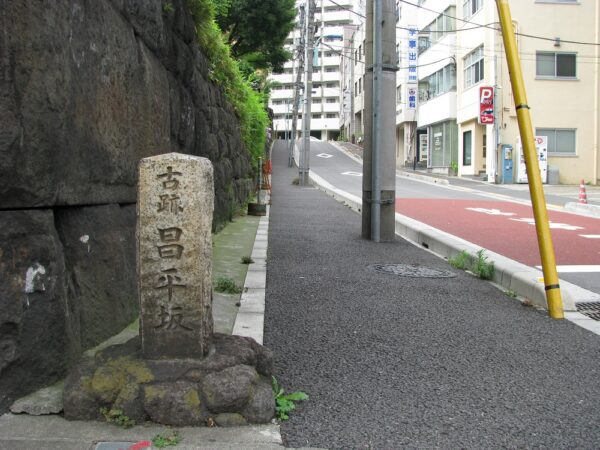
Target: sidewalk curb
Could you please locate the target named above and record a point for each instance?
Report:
(250, 318)
(525, 281)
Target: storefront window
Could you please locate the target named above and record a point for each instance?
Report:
(444, 144)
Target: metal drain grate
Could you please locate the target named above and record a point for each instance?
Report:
(412, 270)
(591, 309)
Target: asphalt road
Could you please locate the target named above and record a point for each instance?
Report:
(394, 362)
(486, 215)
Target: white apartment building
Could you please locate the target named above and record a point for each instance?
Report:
(459, 51)
(326, 107)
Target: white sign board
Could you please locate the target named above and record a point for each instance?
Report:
(541, 149)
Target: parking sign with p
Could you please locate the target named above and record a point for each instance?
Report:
(486, 105)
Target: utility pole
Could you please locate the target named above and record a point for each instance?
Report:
(379, 163)
(297, 84)
(538, 201)
(308, 68)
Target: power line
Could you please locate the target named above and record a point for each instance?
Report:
(477, 25)
(532, 36)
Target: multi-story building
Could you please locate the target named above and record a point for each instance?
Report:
(326, 107)
(459, 50)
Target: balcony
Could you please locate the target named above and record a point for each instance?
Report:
(439, 109)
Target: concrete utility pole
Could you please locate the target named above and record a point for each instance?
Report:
(299, 54)
(379, 161)
(308, 68)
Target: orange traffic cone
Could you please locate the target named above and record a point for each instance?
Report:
(582, 194)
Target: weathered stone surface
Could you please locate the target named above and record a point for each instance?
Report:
(175, 205)
(79, 401)
(130, 401)
(172, 392)
(230, 420)
(230, 389)
(175, 403)
(99, 249)
(48, 400)
(264, 358)
(261, 406)
(88, 88)
(32, 305)
(75, 111)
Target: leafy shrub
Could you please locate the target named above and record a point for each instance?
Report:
(227, 285)
(224, 70)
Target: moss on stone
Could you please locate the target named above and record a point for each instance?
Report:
(135, 368)
(192, 399)
(152, 392)
(107, 382)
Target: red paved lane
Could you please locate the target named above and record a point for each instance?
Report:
(494, 229)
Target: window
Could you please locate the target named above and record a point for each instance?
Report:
(331, 115)
(399, 94)
(556, 65)
(316, 116)
(438, 83)
(467, 141)
(561, 142)
(440, 27)
(331, 100)
(470, 7)
(474, 64)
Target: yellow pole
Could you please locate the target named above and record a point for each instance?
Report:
(553, 297)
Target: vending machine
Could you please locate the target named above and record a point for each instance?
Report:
(541, 149)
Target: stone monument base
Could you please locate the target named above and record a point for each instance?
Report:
(231, 386)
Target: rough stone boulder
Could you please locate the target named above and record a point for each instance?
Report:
(232, 386)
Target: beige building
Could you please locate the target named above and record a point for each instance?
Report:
(460, 50)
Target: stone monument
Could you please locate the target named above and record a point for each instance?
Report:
(177, 372)
(175, 210)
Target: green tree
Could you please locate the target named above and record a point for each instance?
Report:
(257, 29)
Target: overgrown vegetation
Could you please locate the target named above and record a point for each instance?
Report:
(247, 260)
(460, 261)
(479, 264)
(224, 70)
(285, 403)
(116, 417)
(227, 286)
(161, 441)
(482, 267)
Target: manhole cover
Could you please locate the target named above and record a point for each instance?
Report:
(591, 309)
(412, 270)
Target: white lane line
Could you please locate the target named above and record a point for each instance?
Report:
(590, 236)
(576, 269)
(353, 174)
(324, 155)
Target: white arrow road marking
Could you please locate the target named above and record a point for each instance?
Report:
(491, 212)
(576, 269)
(324, 155)
(553, 225)
(590, 236)
(352, 174)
